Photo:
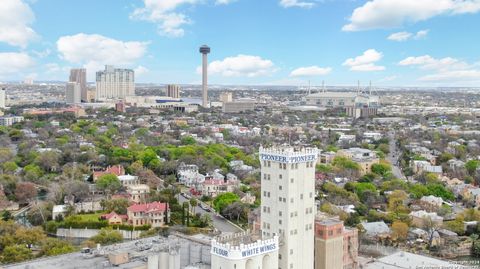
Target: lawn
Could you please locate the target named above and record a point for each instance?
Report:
(90, 217)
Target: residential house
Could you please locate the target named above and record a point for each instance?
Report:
(420, 167)
(156, 214)
(128, 180)
(431, 203)
(114, 219)
(117, 170)
(138, 193)
(419, 218)
(375, 230)
(364, 157)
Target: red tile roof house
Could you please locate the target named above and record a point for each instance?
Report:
(155, 214)
(117, 170)
(114, 218)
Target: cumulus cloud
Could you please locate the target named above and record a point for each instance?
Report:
(446, 69)
(430, 63)
(88, 48)
(310, 71)
(94, 51)
(378, 14)
(296, 3)
(15, 20)
(365, 62)
(164, 13)
(404, 36)
(14, 62)
(241, 66)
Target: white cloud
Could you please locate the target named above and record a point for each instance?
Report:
(85, 48)
(377, 14)
(296, 3)
(94, 51)
(141, 70)
(400, 36)
(365, 62)
(446, 69)
(310, 71)
(15, 20)
(241, 66)
(429, 63)
(404, 36)
(14, 62)
(421, 34)
(388, 79)
(164, 14)
(224, 2)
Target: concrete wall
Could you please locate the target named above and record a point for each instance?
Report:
(87, 233)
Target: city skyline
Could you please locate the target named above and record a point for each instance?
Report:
(275, 42)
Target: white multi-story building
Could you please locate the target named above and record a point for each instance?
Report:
(115, 83)
(288, 207)
(73, 93)
(3, 97)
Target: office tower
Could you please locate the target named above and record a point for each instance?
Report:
(226, 97)
(73, 93)
(3, 98)
(79, 75)
(288, 207)
(173, 91)
(114, 83)
(204, 50)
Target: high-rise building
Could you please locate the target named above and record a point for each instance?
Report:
(79, 75)
(204, 50)
(73, 93)
(288, 207)
(3, 98)
(114, 83)
(226, 97)
(336, 247)
(173, 91)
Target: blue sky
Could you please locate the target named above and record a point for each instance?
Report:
(262, 42)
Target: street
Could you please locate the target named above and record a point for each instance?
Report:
(393, 156)
(219, 222)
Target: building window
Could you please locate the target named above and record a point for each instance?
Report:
(280, 187)
(301, 196)
(268, 176)
(330, 233)
(339, 231)
(320, 233)
(284, 166)
(291, 251)
(280, 221)
(291, 180)
(279, 199)
(280, 213)
(291, 200)
(280, 165)
(280, 176)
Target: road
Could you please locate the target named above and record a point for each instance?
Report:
(393, 156)
(219, 222)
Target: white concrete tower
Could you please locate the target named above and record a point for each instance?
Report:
(288, 207)
(3, 98)
(204, 50)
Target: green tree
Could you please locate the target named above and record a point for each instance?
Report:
(119, 206)
(472, 166)
(16, 253)
(381, 168)
(188, 140)
(108, 183)
(223, 200)
(53, 246)
(107, 237)
(9, 167)
(439, 190)
(193, 204)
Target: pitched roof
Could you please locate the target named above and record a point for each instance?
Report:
(113, 214)
(150, 207)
